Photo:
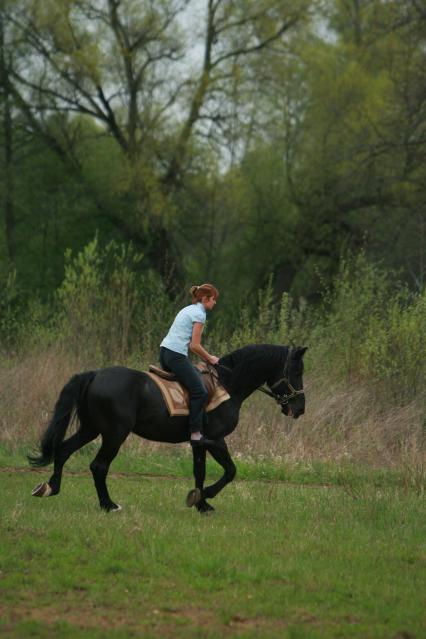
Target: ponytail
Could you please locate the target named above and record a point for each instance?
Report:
(205, 290)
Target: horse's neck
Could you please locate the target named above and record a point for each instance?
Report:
(242, 389)
(245, 385)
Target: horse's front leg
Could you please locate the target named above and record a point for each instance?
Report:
(195, 497)
(221, 454)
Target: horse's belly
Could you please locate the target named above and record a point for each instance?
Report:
(167, 429)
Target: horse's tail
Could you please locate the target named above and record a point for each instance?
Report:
(67, 405)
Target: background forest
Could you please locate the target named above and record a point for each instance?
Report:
(276, 148)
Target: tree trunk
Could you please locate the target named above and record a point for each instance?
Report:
(7, 126)
(8, 199)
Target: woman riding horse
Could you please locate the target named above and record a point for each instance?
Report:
(113, 402)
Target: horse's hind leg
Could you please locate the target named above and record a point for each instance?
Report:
(82, 437)
(100, 466)
(221, 454)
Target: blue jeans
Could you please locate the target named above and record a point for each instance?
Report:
(188, 376)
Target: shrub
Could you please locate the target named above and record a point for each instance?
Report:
(107, 305)
(393, 351)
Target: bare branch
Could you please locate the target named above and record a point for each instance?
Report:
(257, 47)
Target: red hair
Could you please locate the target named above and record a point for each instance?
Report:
(204, 290)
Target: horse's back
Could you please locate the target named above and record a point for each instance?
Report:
(124, 395)
(116, 379)
(115, 393)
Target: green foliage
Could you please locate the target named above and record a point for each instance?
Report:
(256, 174)
(371, 329)
(394, 350)
(105, 300)
(360, 290)
(368, 329)
(24, 323)
(285, 151)
(10, 310)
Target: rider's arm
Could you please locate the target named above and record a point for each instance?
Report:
(195, 345)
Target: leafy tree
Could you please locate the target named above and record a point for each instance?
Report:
(348, 120)
(125, 72)
(226, 140)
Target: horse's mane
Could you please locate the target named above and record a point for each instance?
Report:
(256, 363)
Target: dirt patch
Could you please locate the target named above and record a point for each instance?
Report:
(82, 615)
(134, 474)
(161, 620)
(252, 623)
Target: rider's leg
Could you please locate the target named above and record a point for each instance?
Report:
(188, 375)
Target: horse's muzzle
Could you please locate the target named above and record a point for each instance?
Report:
(291, 411)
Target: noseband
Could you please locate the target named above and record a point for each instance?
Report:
(284, 398)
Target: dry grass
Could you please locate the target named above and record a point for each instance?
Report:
(29, 390)
(341, 423)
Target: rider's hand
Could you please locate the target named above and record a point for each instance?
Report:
(214, 360)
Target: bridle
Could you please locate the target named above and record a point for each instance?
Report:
(285, 398)
(281, 398)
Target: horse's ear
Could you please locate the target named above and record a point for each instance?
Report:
(300, 351)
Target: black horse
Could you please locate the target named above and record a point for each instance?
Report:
(113, 402)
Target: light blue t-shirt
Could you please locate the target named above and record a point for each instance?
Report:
(180, 333)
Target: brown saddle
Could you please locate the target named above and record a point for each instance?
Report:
(161, 372)
(176, 396)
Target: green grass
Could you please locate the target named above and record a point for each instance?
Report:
(275, 560)
(176, 461)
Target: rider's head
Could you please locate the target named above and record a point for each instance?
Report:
(207, 294)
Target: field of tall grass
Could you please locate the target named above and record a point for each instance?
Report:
(365, 367)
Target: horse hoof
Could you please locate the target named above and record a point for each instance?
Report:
(111, 508)
(204, 508)
(42, 490)
(193, 497)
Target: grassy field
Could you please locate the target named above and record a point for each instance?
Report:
(333, 554)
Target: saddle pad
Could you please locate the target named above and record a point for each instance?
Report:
(177, 397)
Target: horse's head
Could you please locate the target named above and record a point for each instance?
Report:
(288, 388)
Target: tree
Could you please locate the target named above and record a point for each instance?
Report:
(351, 132)
(121, 63)
(7, 141)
